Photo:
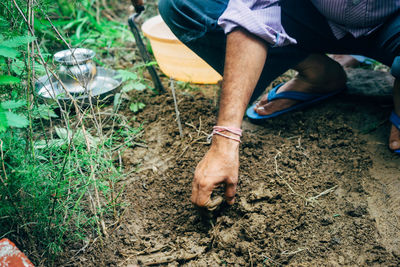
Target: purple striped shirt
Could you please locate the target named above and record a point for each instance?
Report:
(263, 17)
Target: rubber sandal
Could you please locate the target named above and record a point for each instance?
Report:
(395, 120)
(364, 60)
(306, 98)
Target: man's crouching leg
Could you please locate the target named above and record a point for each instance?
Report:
(317, 73)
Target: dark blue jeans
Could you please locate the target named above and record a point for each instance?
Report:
(194, 22)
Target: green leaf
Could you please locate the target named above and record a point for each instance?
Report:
(151, 63)
(127, 88)
(18, 41)
(8, 52)
(11, 104)
(133, 86)
(126, 75)
(7, 79)
(44, 111)
(3, 24)
(18, 66)
(135, 107)
(79, 28)
(16, 120)
(3, 121)
(139, 86)
(63, 133)
(51, 143)
(117, 101)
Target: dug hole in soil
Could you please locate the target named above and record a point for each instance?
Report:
(317, 187)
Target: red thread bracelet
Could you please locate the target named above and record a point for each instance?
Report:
(219, 129)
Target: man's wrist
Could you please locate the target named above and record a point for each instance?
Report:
(223, 143)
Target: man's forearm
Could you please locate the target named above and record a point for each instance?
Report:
(245, 58)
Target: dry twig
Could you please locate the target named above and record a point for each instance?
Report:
(327, 191)
(178, 118)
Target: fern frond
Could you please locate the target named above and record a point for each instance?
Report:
(6, 79)
(17, 41)
(8, 52)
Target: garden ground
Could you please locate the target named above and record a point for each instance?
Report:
(316, 187)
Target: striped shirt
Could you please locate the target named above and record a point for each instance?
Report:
(263, 17)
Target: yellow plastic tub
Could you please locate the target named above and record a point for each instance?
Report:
(174, 58)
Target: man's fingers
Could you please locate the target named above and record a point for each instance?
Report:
(201, 192)
(204, 195)
(195, 191)
(230, 192)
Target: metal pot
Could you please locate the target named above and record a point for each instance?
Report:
(76, 69)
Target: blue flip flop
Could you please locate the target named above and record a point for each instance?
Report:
(363, 60)
(395, 119)
(306, 98)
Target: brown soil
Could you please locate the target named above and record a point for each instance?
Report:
(317, 187)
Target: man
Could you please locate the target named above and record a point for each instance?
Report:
(254, 41)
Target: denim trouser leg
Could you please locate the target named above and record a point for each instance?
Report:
(387, 42)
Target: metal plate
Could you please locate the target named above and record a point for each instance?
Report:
(103, 85)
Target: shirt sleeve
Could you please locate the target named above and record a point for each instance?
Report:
(261, 18)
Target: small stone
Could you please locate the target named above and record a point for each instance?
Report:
(260, 193)
(357, 211)
(335, 241)
(326, 221)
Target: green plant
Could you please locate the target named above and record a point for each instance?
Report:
(57, 171)
(88, 23)
(185, 86)
(8, 117)
(136, 106)
(131, 82)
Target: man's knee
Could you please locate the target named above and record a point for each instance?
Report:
(169, 11)
(395, 70)
(185, 18)
(167, 7)
(191, 19)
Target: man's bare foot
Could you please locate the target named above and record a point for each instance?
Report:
(394, 139)
(346, 61)
(317, 74)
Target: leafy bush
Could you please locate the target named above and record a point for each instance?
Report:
(57, 172)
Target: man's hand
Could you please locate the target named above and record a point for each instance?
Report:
(219, 166)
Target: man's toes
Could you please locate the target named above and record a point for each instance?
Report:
(263, 101)
(394, 145)
(260, 110)
(274, 106)
(394, 139)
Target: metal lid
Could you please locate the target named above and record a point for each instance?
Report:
(74, 56)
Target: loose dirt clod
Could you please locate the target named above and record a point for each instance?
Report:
(214, 203)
